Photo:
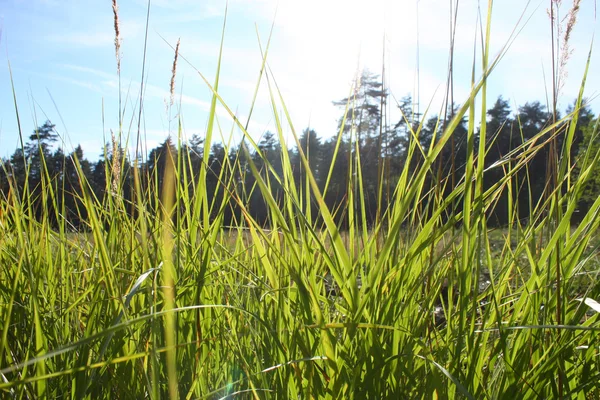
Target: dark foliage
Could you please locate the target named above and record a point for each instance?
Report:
(334, 163)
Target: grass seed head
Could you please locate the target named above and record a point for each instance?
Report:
(116, 164)
(571, 20)
(174, 73)
(564, 28)
(117, 35)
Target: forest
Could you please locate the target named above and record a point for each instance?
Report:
(380, 146)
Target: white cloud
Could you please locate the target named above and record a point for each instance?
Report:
(76, 82)
(99, 37)
(88, 70)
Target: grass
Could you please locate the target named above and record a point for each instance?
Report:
(153, 306)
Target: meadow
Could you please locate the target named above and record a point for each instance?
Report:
(157, 297)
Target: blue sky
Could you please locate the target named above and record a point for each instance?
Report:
(63, 60)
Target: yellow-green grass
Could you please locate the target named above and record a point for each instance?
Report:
(153, 306)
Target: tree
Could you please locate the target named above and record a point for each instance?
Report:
(269, 153)
(270, 150)
(365, 117)
(311, 146)
(74, 208)
(337, 191)
(37, 152)
(451, 160)
(590, 144)
(158, 161)
(533, 118)
(398, 139)
(364, 107)
(43, 137)
(502, 138)
(500, 135)
(193, 153)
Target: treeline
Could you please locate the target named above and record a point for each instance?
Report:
(364, 163)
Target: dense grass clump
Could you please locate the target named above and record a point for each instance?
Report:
(157, 297)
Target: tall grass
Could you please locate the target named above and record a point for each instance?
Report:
(178, 305)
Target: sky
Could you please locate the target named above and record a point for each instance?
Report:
(61, 55)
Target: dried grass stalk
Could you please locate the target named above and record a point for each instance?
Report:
(117, 35)
(571, 20)
(174, 72)
(116, 164)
